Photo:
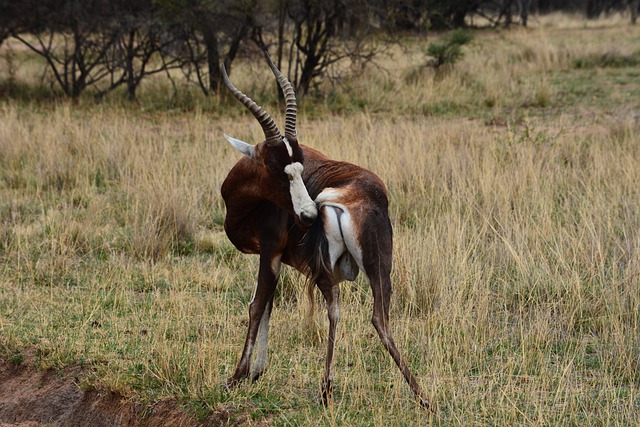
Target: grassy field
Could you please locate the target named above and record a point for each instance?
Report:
(515, 197)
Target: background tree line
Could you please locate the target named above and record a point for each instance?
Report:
(108, 44)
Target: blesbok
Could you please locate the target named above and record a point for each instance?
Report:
(327, 219)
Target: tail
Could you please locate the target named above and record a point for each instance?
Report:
(314, 248)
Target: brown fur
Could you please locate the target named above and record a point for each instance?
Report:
(260, 220)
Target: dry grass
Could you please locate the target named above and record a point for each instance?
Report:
(516, 210)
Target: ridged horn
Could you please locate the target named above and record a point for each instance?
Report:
(289, 98)
(271, 132)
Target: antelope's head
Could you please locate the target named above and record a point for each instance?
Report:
(279, 158)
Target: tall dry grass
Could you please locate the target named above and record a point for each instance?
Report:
(516, 262)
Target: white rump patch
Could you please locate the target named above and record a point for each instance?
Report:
(328, 197)
(344, 249)
(302, 203)
(337, 247)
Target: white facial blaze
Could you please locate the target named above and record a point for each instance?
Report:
(302, 203)
(289, 149)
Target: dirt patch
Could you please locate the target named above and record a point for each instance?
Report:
(31, 398)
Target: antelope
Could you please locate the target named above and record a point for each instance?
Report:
(327, 219)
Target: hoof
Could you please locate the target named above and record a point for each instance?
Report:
(231, 384)
(255, 376)
(426, 405)
(327, 393)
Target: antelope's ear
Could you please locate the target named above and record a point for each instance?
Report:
(243, 147)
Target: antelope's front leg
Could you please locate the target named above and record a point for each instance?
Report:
(259, 314)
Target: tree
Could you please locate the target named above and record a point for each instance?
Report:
(104, 44)
(212, 32)
(507, 9)
(20, 16)
(312, 36)
(140, 50)
(74, 39)
(79, 62)
(595, 8)
(450, 14)
(634, 9)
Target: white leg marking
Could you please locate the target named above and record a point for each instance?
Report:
(262, 341)
(302, 203)
(260, 356)
(253, 298)
(275, 265)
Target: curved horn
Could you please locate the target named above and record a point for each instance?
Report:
(289, 98)
(271, 132)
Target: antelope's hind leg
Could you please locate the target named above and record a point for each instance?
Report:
(377, 265)
(331, 292)
(380, 319)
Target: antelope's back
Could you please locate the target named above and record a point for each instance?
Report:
(356, 184)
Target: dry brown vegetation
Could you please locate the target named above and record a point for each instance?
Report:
(516, 208)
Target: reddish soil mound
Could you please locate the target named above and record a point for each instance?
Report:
(30, 398)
